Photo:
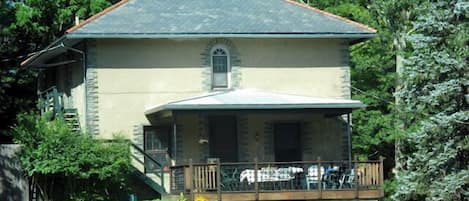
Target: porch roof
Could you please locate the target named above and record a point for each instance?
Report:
(252, 100)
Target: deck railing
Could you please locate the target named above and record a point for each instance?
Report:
(277, 176)
(50, 100)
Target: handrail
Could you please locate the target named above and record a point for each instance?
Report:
(146, 155)
(47, 90)
(140, 150)
(154, 161)
(365, 175)
(281, 163)
(51, 96)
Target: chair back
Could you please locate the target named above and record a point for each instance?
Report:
(313, 172)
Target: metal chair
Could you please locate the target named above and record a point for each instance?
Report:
(312, 176)
(348, 179)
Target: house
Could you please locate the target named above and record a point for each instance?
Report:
(223, 100)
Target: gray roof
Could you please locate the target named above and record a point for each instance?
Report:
(254, 99)
(216, 18)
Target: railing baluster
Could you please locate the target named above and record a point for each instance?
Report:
(355, 162)
(218, 179)
(381, 175)
(256, 184)
(197, 178)
(204, 176)
(319, 178)
(191, 177)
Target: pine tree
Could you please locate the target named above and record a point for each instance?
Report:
(434, 108)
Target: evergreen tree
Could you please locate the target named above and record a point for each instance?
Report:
(433, 107)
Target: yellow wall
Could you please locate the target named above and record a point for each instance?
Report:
(294, 66)
(137, 74)
(143, 74)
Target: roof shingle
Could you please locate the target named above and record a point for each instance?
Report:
(165, 18)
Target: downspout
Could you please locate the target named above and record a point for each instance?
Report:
(83, 62)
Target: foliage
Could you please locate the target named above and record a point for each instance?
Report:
(390, 186)
(66, 165)
(373, 79)
(181, 198)
(27, 27)
(433, 106)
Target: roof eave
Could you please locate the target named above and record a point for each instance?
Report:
(37, 55)
(167, 107)
(219, 35)
(58, 45)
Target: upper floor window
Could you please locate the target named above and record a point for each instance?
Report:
(220, 67)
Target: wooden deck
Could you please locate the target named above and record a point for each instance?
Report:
(279, 180)
(293, 195)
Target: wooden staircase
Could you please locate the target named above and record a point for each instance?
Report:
(70, 116)
(51, 102)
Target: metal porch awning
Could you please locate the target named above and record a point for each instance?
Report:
(253, 100)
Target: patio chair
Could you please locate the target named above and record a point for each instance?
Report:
(229, 179)
(347, 179)
(330, 178)
(312, 177)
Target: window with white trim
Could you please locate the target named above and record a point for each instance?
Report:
(220, 67)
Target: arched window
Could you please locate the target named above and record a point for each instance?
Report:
(220, 67)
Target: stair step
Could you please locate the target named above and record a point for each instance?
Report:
(70, 115)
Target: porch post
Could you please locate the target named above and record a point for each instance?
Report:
(174, 136)
(349, 139)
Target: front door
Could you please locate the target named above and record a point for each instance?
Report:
(223, 138)
(287, 146)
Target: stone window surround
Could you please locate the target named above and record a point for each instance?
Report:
(234, 62)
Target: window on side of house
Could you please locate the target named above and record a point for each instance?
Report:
(220, 67)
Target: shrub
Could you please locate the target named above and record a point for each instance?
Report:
(67, 165)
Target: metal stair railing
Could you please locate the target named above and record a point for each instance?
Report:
(157, 165)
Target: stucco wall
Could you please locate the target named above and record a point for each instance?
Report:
(296, 66)
(136, 74)
(143, 74)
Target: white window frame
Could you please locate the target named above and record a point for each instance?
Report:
(228, 60)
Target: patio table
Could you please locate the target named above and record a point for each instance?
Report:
(270, 174)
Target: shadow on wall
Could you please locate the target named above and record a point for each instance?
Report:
(13, 186)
